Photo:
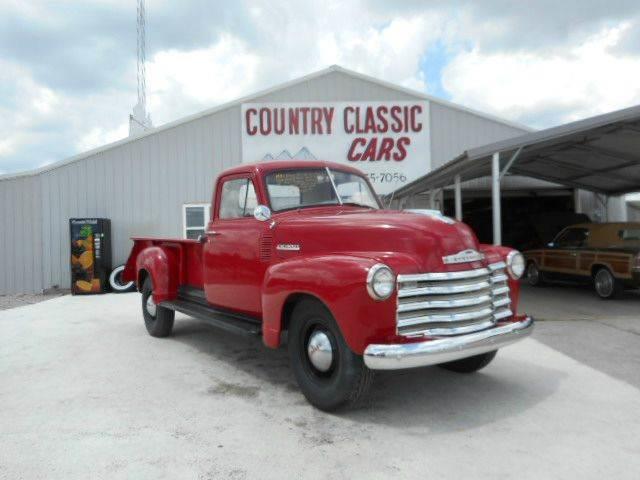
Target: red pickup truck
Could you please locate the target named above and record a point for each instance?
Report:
(305, 247)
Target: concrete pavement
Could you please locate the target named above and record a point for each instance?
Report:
(86, 393)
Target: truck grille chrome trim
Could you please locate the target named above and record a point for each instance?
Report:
(423, 277)
(444, 288)
(504, 313)
(452, 303)
(497, 266)
(498, 278)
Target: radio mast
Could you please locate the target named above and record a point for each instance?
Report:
(140, 120)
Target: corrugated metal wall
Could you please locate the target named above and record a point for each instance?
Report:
(454, 131)
(20, 235)
(337, 87)
(141, 185)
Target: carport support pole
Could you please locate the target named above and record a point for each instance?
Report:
(495, 199)
(458, 195)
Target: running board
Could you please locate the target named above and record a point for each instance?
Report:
(227, 321)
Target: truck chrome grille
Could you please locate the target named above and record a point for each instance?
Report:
(452, 303)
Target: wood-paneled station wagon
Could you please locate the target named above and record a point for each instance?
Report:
(604, 254)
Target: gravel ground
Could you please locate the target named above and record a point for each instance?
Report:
(86, 393)
(13, 301)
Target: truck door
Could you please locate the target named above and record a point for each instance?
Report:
(233, 271)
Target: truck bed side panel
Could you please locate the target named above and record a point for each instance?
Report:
(185, 257)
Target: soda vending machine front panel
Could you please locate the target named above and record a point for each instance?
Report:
(90, 254)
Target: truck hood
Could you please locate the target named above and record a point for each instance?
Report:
(421, 240)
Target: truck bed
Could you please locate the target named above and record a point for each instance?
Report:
(189, 256)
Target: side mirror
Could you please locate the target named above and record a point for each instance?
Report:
(262, 213)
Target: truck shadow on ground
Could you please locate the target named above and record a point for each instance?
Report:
(430, 397)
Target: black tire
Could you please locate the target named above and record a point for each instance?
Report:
(470, 364)
(116, 284)
(160, 324)
(347, 379)
(606, 285)
(534, 275)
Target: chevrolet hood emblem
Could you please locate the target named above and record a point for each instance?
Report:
(465, 256)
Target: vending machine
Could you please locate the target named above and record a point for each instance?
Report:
(90, 255)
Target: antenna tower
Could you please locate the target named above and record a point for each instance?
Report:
(140, 120)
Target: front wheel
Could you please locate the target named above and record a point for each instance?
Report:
(534, 275)
(470, 364)
(606, 285)
(328, 373)
(157, 319)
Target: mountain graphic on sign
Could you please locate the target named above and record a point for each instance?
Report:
(284, 155)
(303, 154)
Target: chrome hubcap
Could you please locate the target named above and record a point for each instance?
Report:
(151, 306)
(604, 283)
(319, 351)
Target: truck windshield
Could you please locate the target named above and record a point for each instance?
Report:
(307, 187)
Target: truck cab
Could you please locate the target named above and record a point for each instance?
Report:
(306, 248)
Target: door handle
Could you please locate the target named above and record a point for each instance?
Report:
(213, 233)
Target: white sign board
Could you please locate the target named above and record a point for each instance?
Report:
(388, 141)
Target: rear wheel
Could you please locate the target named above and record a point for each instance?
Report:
(157, 319)
(470, 364)
(605, 284)
(328, 373)
(534, 275)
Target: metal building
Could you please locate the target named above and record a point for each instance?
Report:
(146, 183)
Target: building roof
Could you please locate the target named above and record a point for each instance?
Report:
(600, 154)
(268, 166)
(254, 96)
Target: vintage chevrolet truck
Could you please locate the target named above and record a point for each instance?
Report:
(305, 247)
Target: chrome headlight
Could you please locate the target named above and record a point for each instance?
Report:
(515, 264)
(380, 282)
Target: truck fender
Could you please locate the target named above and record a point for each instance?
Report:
(339, 282)
(162, 265)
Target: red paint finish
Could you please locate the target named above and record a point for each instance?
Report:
(233, 270)
(240, 268)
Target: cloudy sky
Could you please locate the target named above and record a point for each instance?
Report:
(68, 68)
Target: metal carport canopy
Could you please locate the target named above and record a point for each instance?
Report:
(600, 154)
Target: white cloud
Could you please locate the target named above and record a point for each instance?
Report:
(393, 52)
(286, 44)
(547, 86)
(7, 146)
(98, 136)
(39, 125)
(522, 64)
(180, 83)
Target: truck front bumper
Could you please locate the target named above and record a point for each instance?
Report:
(441, 350)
